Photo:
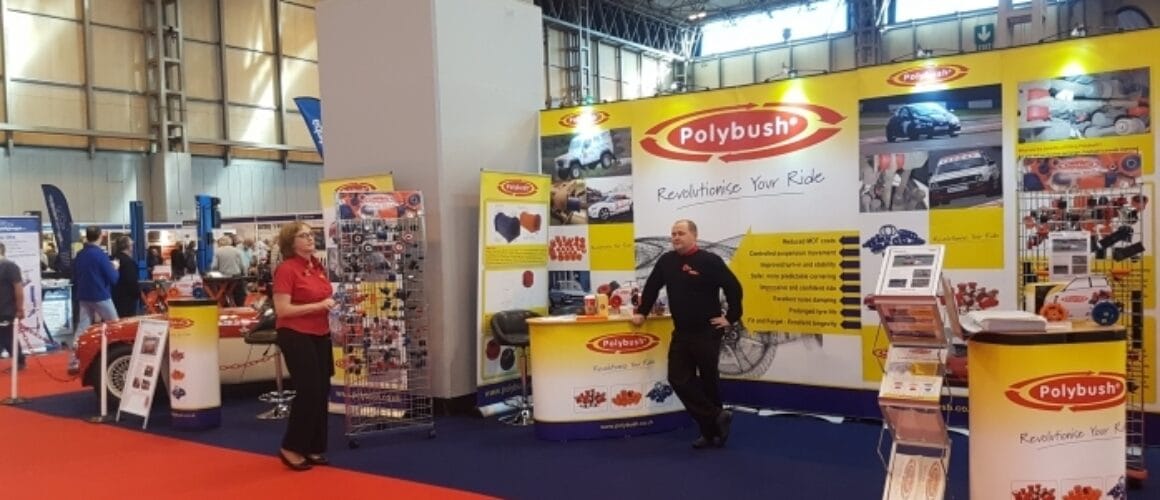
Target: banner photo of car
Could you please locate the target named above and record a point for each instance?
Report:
(926, 149)
(513, 271)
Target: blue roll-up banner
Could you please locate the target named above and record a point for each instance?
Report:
(311, 109)
(62, 222)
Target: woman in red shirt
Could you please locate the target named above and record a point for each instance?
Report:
(302, 300)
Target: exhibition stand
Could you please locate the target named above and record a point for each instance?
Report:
(1047, 412)
(194, 376)
(601, 377)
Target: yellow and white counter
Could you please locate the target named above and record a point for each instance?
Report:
(1047, 411)
(600, 378)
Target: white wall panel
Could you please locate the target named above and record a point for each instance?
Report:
(121, 112)
(98, 189)
(250, 24)
(253, 125)
(251, 77)
(124, 13)
(941, 36)
(629, 74)
(204, 120)
(898, 42)
(705, 73)
(845, 57)
(296, 132)
(118, 59)
(202, 71)
(298, 32)
(60, 8)
(45, 106)
(45, 48)
(299, 78)
(812, 56)
(609, 89)
(650, 76)
(557, 78)
(771, 63)
(737, 70)
(199, 18)
(606, 61)
(250, 187)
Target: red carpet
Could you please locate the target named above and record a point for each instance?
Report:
(52, 457)
(44, 375)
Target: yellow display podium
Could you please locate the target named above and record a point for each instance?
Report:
(601, 378)
(1047, 411)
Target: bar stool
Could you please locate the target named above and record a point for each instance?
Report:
(263, 333)
(510, 328)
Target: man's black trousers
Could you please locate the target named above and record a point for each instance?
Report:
(693, 374)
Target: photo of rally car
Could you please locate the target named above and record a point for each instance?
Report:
(610, 206)
(585, 152)
(968, 173)
(915, 120)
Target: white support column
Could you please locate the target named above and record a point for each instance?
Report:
(452, 87)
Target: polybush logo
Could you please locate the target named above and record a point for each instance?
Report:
(1077, 391)
(180, 323)
(517, 187)
(355, 186)
(573, 120)
(926, 75)
(624, 343)
(744, 132)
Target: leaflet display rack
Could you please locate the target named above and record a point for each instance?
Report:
(1114, 220)
(916, 323)
(381, 319)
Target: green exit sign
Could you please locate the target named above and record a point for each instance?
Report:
(984, 36)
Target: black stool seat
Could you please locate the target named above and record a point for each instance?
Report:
(510, 327)
(264, 336)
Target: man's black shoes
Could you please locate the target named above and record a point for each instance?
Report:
(703, 442)
(724, 422)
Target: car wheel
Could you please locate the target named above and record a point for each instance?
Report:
(913, 135)
(118, 370)
(604, 214)
(890, 137)
(606, 160)
(953, 133)
(574, 170)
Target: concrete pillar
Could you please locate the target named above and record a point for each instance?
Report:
(171, 187)
(434, 91)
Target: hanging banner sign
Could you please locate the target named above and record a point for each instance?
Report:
(21, 239)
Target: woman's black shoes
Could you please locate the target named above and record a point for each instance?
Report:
(295, 466)
(317, 459)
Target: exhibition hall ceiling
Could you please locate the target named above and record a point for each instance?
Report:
(680, 10)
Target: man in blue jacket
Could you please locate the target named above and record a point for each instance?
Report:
(93, 280)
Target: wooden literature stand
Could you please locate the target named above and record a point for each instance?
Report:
(911, 314)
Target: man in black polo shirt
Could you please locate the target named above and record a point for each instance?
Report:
(11, 306)
(694, 279)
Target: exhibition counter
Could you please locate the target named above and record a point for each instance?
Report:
(602, 377)
(1047, 411)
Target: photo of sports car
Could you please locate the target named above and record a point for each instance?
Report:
(915, 120)
(610, 207)
(239, 362)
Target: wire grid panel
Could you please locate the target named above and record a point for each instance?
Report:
(1117, 219)
(382, 318)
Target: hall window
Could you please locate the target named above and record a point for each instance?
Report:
(785, 24)
(914, 10)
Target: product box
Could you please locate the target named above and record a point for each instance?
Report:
(916, 473)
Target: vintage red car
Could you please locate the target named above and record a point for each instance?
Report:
(239, 362)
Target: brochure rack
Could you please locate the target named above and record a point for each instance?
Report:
(381, 320)
(912, 317)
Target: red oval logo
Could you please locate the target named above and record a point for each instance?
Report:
(517, 187)
(1079, 391)
(880, 353)
(355, 186)
(180, 323)
(584, 118)
(743, 132)
(624, 343)
(926, 75)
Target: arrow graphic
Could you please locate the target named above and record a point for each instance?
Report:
(984, 34)
(850, 277)
(851, 301)
(852, 325)
(848, 240)
(850, 264)
(851, 289)
(849, 252)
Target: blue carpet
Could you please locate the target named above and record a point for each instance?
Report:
(767, 457)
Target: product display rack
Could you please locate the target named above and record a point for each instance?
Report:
(382, 315)
(913, 388)
(1115, 220)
